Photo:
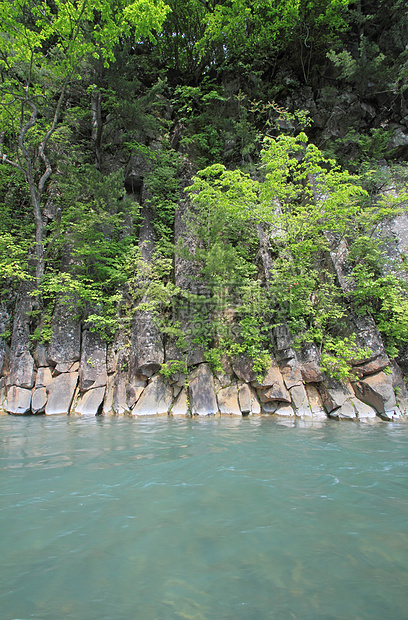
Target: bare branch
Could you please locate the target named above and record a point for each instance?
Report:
(6, 160)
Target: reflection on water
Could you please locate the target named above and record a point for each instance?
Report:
(221, 519)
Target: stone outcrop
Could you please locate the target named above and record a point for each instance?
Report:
(201, 391)
(61, 392)
(156, 399)
(92, 368)
(271, 386)
(39, 400)
(4, 318)
(309, 360)
(18, 400)
(180, 406)
(147, 352)
(244, 398)
(377, 391)
(90, 403)
(228, 401)
(65, 344)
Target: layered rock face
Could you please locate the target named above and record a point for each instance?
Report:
(101, 382)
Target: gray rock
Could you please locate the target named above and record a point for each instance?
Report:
(156, 399)
(201, 391)
(372, 366)
(243, 368)
(309, 361)
(147, 352)
(3, 399)
(40, 355)
(367, 337)
(134, 389)
(136, 170)
(255, 406)
(92, 370)
(228, 401)
(347, 411)
(18, 400)
(4, 318)
(21, 361)
(271, 378)
(90, 403)
(399, 387)
(391, 415)
(107, 407)
(270, 407)
(38, 400)
(315, 403)
(285, 411)
(272, 386)
(363, 411)
(377, 391)
(300, 401)
(65, 343)
(61, 392)
(21, 368)
(338, 256)
(334, 394)
(291, 373)
(120, 404)
(43, 378)
(244, 398)
(195, 354)
(283, 337)
(180, 406)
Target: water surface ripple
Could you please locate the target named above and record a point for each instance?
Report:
(215, 519)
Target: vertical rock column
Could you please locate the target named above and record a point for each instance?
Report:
(20, 380)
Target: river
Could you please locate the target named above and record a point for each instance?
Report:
(202, 519)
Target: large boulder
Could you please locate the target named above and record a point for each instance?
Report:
(65, 344)
(18, 400)
(21, 361)
(243, 368)
(346, 411)
(4, 318)
(147, 352)
(244, 398)
(92, 369)
(90, 403)
(315, 402)
(180, 406)
(300, 401)
(377, 391)
(39, 400)
(228, 401)
(363, 411)
(201, 391)
(334, 393)
(44, 377)
(309, 360)
(291, 372)
(271, 386)
(61, 392)
(156, 399)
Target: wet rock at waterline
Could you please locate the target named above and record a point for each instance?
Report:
(201, 391)
(61, 392)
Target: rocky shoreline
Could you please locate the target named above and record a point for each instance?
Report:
(77, 373)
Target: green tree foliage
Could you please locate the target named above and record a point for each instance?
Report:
(304, 201)
(43, 46)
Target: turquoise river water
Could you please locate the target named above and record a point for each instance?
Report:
(212, 519)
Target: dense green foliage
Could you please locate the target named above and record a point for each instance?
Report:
(239, 91)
